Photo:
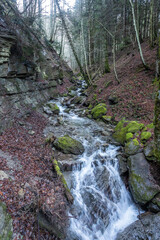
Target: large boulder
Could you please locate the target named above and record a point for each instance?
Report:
(142, 184)
(145, 228)
(6, 228)
(67, 144)
(99, 110)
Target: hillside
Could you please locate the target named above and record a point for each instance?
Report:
(134, 97)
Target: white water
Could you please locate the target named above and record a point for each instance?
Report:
(102, 205)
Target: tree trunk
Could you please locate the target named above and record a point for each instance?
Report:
(71, 44)
(157, 108)
(137, 35)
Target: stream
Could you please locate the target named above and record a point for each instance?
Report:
(102, 205)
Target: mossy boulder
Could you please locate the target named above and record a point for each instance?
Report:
(132, 147)
(124, 127)
(67, 144)
(53, 107)
(145, 136)
(149, 152)
(99, 110)
(142, 184)
(6, 228)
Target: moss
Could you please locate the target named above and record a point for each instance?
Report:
(129, 136)
(124, 127)
(95, 96)
(90, 106)
(60, 175)
(54, 108)
(145, 136)
(99, 110)
(150, 126)
(67, 144)
(107, 119)
(134, 126)
(132, 147)
(7, 230)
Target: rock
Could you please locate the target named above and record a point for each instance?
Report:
(107, 119)
(132, 147)
(53, 107)
(31, 132)
(67, 144)
(3, 175)
(122, 165)
(147, 228)
(124, 127)
(142, 184)
(149, 152)
(50, 138)
(6, 228)
(113, 100)
(99, 110)
(21, 193)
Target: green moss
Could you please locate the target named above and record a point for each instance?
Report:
(99, 110)
(95, 96)
(90, 106)
(67, 144)
(54, 108)
(150, 126)
(124, 127)
(7, 229)
(107, 119)
(129, 136)
(132, 147)
(60, 175)
(145, 136)
(134, 126)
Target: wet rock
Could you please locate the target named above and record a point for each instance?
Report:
(67, 144)
(142, 183)
(72, 165)
(53, 107)
(122, 165)
(6, 228)
(147, 228)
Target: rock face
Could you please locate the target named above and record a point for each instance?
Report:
(26, 84)
(143, 187)
(6, 228)
(99, 110)
(67, 144)
(145, 229)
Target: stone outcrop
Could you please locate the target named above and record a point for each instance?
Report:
(26, 82)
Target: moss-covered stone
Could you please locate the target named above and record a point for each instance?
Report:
(129, 136)
(124, 127)
(132, 147)
(149, 152)
(142, 184)
(99, 110)
(54, 108)
(145, 136)
(107, 119)
(67, 144)
(6, 228)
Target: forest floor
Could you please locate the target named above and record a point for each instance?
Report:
(137, 89)
(31, 182)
